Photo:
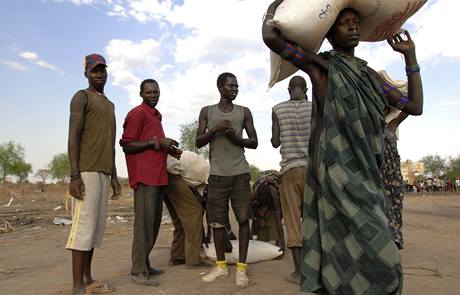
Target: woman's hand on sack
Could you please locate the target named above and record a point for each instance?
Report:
(406, 45)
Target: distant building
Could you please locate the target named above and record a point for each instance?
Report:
(410, 170)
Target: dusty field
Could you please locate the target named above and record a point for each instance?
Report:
(33, 259)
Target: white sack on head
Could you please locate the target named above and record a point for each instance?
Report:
(306, 23)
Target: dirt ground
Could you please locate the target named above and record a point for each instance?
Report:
(33, 259)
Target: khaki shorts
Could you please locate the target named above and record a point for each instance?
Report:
(292, 184)
(89, 215)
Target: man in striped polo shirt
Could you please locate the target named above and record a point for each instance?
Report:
(291, 130)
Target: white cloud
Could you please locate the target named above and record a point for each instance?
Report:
(227, 34)
(434, 30)
(29, 55)
(229, 41)
(33, 57)
(212, 48)
(14, 65)
(148, 10)
(118, 11)
(128, 60)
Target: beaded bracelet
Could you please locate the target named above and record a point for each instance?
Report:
(292, 52)
(387, 88)
(402, 102)
(412, 69)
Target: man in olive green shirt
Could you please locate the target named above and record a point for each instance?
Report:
(91, 150)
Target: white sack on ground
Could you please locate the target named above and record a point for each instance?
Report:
(257, 251)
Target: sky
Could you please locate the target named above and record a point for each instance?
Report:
(185, 45)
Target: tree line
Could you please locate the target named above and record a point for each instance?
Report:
(437, 166)
(13, 163)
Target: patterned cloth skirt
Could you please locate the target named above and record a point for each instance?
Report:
(394, 185)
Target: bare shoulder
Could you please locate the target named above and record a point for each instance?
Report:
(203, 114)
(204, 110)
(246, 111)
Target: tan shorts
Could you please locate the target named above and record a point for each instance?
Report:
(89, 215)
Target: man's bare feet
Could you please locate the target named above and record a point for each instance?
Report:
(78, 291)
(293, 278)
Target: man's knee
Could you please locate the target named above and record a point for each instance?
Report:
(216, 225)
(243, 214)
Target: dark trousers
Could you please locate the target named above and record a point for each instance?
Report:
(148, 209)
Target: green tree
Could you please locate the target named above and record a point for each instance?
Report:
(254, 171)
(434, 165)
(420, 177)
(21, 169)
(60, 167)
(453, 167)
(11, 154)
(188, 137)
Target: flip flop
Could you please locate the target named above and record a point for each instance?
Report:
(99, 288)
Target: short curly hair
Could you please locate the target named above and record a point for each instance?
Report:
(147, 81)
(222, 77)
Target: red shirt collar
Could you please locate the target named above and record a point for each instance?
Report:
(151, 110)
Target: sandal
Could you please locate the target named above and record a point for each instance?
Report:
(99, 288)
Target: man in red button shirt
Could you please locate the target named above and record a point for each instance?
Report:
(146, 149)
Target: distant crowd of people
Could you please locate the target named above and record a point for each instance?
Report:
(436, 184)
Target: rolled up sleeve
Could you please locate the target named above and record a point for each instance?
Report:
(131, 128)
